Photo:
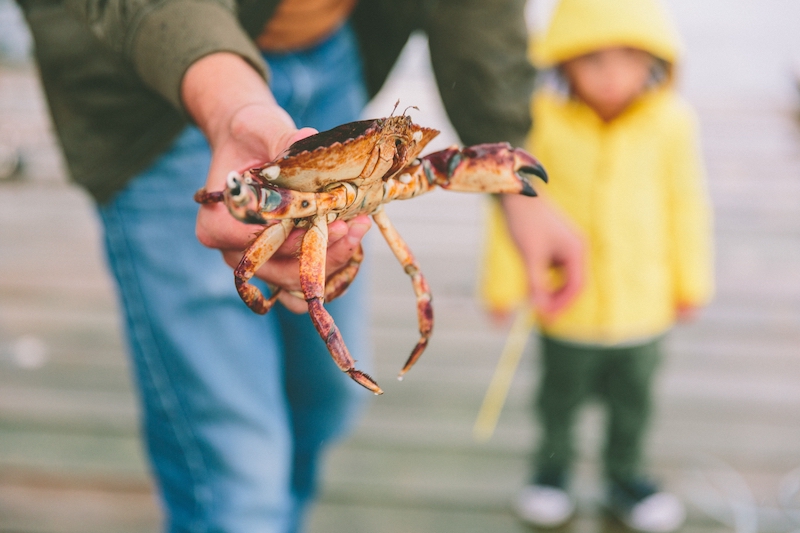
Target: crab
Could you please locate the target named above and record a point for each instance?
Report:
(344, 172)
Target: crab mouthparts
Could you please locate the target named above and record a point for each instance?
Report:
(253, 217)
(235, 189)
(270, 199)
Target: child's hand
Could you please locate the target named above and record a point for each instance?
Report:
(499, 318)
(687, 313)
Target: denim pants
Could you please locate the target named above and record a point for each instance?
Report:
(621, 377)
(237, 408)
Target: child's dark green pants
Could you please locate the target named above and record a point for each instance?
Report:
(620, 377)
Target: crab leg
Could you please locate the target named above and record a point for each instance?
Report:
(338, 282)
(408, 184)
(423, 293)
(254, 257)
(202, 196)
(312, 282)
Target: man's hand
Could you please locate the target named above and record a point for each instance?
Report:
(283, 269)
(233, 106)
(545, 240)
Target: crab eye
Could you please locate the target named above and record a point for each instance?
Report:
(233, 180)
(235, 188)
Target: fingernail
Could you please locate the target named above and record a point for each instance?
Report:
(337, 230)
(358, 229)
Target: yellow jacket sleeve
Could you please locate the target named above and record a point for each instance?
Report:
(691, 220)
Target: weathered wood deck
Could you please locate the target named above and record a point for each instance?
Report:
(727, 435)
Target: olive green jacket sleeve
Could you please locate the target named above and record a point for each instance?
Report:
(478, 51)
(161, 39)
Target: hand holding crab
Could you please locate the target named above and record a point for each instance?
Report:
(349, 171)
(243, 132)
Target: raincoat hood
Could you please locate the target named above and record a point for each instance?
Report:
(579, 27)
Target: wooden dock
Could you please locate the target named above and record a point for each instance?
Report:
(727, 432)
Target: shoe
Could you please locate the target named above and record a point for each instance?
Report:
(10, 162)
(641, 506)
(544, 505)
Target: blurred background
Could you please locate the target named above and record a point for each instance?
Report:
(727, 432)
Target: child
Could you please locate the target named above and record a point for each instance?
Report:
(619, 146)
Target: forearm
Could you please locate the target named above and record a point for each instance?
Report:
(524, 217)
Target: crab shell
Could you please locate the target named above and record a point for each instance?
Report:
(344, 153)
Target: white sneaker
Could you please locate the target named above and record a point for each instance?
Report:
(10, 162)
(638, 504)
(544, 506)
(660, 513)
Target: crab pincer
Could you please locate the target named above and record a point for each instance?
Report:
(494, 168)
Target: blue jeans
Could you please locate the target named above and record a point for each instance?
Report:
(237, 408)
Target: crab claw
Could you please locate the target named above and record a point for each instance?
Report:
(492, 168)
(242, 199)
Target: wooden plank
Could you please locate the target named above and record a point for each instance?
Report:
(73, 452)
(49, 508)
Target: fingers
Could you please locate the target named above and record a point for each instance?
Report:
(340, 251)
(549, 303)
(570, 264)
(573, 268)
(687, 313)
(216, 228)
(541, 295)
(500, 318)
(291, 247)
(564, 250)
(283, 268)
(293, 303)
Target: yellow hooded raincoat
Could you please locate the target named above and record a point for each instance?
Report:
(633, 186)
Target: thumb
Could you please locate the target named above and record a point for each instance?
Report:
(302, 133)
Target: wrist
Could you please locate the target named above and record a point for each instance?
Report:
(218, 87)
(525, 218)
